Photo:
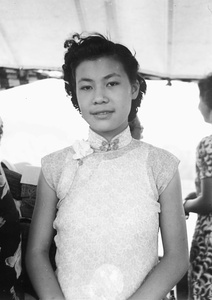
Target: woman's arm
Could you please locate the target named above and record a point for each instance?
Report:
(40, 238)
(174, 263)
(203, 203)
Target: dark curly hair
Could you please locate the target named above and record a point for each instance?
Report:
(90, 47)
(205, 89)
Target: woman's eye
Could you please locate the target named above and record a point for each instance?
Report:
(85, 88)
(113, 83)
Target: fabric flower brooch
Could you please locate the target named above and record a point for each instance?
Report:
(82, 149)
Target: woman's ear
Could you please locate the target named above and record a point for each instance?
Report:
(135, 89)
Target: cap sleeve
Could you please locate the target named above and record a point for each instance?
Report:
(204, 157)
(164, 166)
(59, 169)
(52, 166)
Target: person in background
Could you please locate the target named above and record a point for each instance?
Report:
(200, 270)
(1, 128)
(107, 197)
(10, 241)
(136, 128)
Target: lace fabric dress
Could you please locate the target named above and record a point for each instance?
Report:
(200, 270)
(108, 215)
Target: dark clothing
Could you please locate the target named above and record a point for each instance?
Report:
(10, 243)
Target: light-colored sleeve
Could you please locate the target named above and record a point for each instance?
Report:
(164, 166)
(59, 170)
(52, 166)
(204, 157)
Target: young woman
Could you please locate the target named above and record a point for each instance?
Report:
(200, 270)
(108, 196)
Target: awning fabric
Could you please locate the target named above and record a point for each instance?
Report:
(172, 38)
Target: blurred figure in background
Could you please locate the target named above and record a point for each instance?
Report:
(1, 128)
(136, 128)
(200, 271)
(10, 241)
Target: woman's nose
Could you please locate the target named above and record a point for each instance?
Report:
(99, 96)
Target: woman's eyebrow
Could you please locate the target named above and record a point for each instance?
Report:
(105, 77)
(85, 79)
(112, 75)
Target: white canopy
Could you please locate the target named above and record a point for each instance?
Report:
(172, 38)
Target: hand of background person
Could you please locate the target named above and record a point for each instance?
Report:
(191, 196)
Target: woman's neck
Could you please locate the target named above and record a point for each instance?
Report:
(107, 135)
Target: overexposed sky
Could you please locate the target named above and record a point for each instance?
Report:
(170, 115)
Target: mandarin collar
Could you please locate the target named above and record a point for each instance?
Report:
(99, 143)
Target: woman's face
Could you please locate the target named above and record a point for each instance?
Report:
(205, 110)
(104, 94)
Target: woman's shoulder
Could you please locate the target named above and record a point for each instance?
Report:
(58, 156)
(206, 140)
(161, 163)
(155, 152)
(54, 163)
(204, 147)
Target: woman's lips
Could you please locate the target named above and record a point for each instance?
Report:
(102, 114)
